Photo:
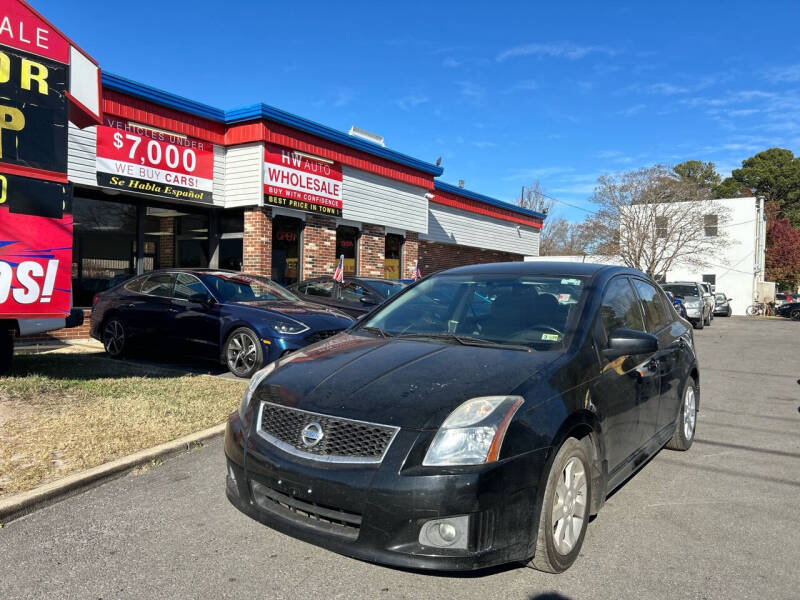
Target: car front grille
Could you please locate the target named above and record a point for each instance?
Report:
(319, 516)
(323, 334)
(342, 440)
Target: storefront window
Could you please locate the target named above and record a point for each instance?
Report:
(346, 243)
(393, 256)
(192, 237)
(103, 249)
(286, 249)
(231, 243)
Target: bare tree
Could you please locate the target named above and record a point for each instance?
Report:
(655, 220)
(560, 237)
(534, 198)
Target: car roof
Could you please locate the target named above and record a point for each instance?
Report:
(555, 267)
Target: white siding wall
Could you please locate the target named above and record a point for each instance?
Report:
(244, 166)
(455, 226)
(369, 198)
(219, 175)
(82, 148)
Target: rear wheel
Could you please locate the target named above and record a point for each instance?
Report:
(115, 338)
(687, 419)
(565, 509)
(699, 324)
(243, 352)
(795, 314)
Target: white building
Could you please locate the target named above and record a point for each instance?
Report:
(737, 270)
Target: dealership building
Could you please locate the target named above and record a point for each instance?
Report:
(167, 182)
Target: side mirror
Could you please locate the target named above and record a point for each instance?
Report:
(623, 342)
(729, 299)
(200, 298)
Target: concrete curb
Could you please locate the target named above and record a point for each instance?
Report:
(24, 502)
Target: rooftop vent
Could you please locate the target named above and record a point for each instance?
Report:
(461, 183)
(366, 135)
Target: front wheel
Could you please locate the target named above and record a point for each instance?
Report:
(752, 310)
(687, 419)
(699, 324)
(243, 352)
(565, 509)
(795, 314)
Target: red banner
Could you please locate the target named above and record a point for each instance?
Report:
(298, 181)
(21, 27)
(35, 265)
(143, 159)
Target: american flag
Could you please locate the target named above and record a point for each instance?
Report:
(338, 274)
(417, 272)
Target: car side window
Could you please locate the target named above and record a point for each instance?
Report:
(320, 288)
(655, 313)
(158, 284)
(188, 286)
(135, 285)
(620, 307)
(353, 292)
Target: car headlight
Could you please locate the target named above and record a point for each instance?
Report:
(693, 304)
(290, 328)
(259, 376)
(473, 433)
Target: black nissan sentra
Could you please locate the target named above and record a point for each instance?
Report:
(479, 417)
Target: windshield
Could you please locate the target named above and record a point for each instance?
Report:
(524, 310)
(238, 287)
(386, 289)
(681, 289)
(720, 296)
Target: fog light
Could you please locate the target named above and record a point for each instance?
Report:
(445, 533)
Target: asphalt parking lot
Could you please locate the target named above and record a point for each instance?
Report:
(719, 521)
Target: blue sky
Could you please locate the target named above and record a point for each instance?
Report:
(504, 92)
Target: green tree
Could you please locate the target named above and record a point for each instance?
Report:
(730, 188)
(774, 174)
(703, 174)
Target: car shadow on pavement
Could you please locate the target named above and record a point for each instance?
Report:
(85, 367)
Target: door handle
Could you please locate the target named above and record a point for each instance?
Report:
(130, 305)
(172, 310)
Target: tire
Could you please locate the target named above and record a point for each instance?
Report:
(708, 320)
(795, 314)
(699, 324)
(243, 355)
(115, 338)
(686, 424)
(730, 312)
(6, 351)
(751, 310)
(557, 543)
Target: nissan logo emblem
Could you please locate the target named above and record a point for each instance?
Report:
(312, 434)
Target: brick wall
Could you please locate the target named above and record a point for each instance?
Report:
(371, 250)
(257, 242)
(410, 254)
(435, 256)
(166, 243)
(319, 246)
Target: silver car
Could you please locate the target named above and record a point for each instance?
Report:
(699, 304)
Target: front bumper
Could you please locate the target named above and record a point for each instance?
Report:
(375, 512)
(694, 313)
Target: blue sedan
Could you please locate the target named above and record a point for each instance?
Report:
(243, 321)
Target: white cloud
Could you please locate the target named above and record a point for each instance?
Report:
(789, 74)
(483, 144)
(450, 63)
(558, 49)
(472, 91)
(411, 101)
(526, 85)
(632, 110)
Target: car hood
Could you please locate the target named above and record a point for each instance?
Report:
(305, 312)
(409, 383)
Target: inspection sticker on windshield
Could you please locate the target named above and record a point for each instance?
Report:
(570, 282)
(550, 337)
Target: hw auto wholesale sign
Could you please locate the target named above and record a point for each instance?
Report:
(138, 158)
(298, 181)
(35, 196)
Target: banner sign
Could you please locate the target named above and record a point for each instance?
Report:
(33, 113)
(293, 180)
(35, 247)
(23, 29)
(137, 158)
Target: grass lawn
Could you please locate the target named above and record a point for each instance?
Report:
(62, 413)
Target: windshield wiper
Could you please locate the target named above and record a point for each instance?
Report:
(468, 341)
(377, 330)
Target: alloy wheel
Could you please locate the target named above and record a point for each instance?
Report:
(242, 353)
(114, 337)
(569, 506)
(689, 412)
